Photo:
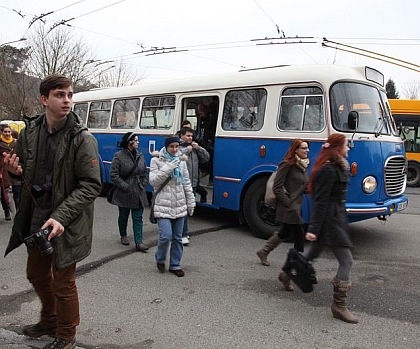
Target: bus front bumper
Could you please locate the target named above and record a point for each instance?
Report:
(359, 212)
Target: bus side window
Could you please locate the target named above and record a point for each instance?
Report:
(99, 114)
(244, 110)
(157, 112)
(124, 113)
(81, 110)
(302, 109)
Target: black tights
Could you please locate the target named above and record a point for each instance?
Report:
(343, 255)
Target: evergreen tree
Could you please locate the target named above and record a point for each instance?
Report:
(391, 90)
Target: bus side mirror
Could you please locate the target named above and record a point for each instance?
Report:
(353, 120)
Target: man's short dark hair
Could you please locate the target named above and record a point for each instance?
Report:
(52, 82)
(184, 130)
(185, 122)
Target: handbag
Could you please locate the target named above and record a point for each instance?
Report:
(300, 271)
(152, 217)
(110, 192)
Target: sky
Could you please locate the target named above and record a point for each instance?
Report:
(213, 37)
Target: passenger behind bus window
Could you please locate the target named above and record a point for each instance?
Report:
(208, 118)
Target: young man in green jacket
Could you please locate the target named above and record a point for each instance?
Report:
(58, 160)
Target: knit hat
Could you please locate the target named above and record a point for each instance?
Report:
(170, 140)
(127, 138)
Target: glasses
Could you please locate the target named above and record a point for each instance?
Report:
(304, 148)
(136, 140)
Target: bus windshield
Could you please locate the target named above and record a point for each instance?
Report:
(374, 116)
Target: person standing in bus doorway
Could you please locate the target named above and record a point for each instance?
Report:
(196, 155)
(7, 145)
(129, 175)
(58, 159)
(328, 225)
(169, 175)
(199, 189)
(289, 186)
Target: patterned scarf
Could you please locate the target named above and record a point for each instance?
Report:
(176, 173)
(302, 163)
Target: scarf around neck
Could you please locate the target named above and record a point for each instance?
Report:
(5, 140)
(302, 163)
(176, 173)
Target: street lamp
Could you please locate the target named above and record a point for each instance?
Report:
(11, 42)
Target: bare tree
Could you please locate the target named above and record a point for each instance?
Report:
(58, 51)
(18, 92)
(117, 73)
(411, 89)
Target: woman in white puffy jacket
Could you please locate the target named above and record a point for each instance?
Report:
(172, 204)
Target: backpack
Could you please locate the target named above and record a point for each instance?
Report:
(270, 198)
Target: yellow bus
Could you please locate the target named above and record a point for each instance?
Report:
(406, 113)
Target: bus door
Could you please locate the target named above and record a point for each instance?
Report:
(202, 112)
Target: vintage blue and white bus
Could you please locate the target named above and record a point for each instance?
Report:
(256, 114)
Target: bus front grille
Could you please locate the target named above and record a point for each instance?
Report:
(395, 175)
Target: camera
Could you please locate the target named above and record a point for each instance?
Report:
(39, 239)
(38, 190)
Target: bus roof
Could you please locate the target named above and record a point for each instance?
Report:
(323, 74)
(405, 106)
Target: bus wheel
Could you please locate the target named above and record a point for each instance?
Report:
(413, 175)
(104, 189)
(259, 217)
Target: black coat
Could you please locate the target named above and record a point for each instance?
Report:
(130, 192)
(329, 216)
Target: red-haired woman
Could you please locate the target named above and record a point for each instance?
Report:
(289, 185)
(328, 225)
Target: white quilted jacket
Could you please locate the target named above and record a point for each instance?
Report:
(175, 198)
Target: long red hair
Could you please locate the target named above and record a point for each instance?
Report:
(290, 157)
(330, 153)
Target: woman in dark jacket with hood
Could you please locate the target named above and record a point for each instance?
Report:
(129, 175)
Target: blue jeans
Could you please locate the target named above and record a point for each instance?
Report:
(170, 232)
(137, 217)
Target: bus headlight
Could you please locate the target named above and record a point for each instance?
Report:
(369, 184)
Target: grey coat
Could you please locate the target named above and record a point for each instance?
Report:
(130, 192)
(329, 216)
(289, 185)
(195, 158)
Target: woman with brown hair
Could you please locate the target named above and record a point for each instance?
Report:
(289, 185)
(328, 225)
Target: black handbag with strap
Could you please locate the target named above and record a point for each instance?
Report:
(111, 191)
(152, 217)
(300, 271)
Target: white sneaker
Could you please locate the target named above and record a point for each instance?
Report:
(186, 240)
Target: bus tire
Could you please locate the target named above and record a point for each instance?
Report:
(252, 210)
(104, 189)
(413, 175)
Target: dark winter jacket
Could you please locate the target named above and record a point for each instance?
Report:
(130, 191)
(329, 216)
(289, 185)
(76, 184)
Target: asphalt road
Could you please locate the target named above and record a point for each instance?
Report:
(227, 299)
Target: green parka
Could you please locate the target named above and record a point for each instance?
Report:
(76, 184)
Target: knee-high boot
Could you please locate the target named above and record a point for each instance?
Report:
(269, 246)
(339, 305)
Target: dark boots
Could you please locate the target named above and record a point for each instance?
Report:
(269, 246)
(339, 306)
(7, 215)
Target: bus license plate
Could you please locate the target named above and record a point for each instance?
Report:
(402, 206)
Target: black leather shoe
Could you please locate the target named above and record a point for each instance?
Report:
(37, 330)
(178, 272)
